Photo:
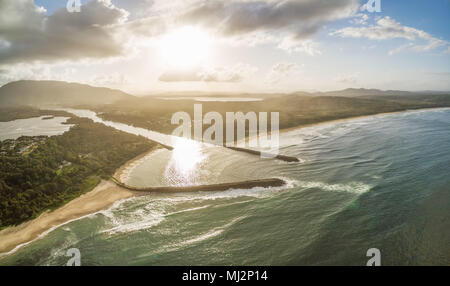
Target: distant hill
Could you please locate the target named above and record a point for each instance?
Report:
(365, 92)
(353, 92)
(41, 93)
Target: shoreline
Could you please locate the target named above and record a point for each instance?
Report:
(123, 172)
(307, 125)
(341, 120)
(103, 196)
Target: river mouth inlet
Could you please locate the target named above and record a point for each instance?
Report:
(183, 162)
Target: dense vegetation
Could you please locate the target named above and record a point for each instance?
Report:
(61, 168)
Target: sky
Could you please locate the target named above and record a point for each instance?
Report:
(151, 46)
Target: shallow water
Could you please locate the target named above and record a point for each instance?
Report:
(35, 126)
(376, 182)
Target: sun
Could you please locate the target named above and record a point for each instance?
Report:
(185, 47)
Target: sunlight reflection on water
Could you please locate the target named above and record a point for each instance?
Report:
(182, 168)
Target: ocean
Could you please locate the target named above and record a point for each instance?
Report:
(373, 182)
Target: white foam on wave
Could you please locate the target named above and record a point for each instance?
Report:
(45, 233)
(139, 219)
(351, 187)
(214, 232)
(158, 207)
(138, 223)
(189, 210)
(256, 192)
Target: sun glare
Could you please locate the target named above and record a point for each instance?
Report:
(187, 155)
(185, 47)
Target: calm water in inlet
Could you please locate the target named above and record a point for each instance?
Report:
(377, 182)
(33, 127)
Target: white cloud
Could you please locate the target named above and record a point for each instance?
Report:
(10, 73)
(306, 46)
(359, 19)
(347, 79)
(282, 72)
(388, 28)
(231, 74)
(113, 79)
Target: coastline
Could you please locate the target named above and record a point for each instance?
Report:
(341, 120)
(103, 196)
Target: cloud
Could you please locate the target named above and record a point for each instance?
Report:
(359, 19)
(230, 74)
(305, 46)
(303, 17)
(113, 79)
(291, 22)
(388, 28)
(103, 30)
(348, 79)
(28, 34)
(35, 72)
(282, 71)
(136, 8)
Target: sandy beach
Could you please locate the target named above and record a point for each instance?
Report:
(101, 197)
(341, 120)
